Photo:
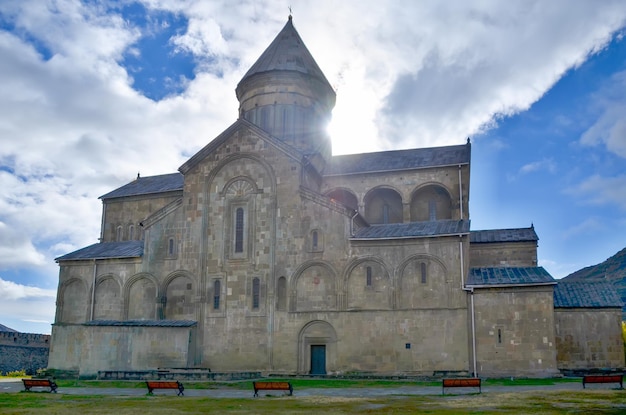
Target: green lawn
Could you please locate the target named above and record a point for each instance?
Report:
(299, 383)
(539, 402)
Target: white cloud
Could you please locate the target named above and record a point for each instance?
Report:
(544, 164)
(598, 190)
(24, 304)
(10, 291)
(610, 127)
(587, 226)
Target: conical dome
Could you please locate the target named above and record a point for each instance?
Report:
(286, 94)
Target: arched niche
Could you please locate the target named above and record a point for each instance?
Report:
(422, 283)
(383, 205)
(141, 298)
(108, 299)
(431, 202)
(178, 302)
(345, 197)
(75, 301)
(315, 288)
(368, 286)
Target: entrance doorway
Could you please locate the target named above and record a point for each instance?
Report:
(317, 348)
(318, 359)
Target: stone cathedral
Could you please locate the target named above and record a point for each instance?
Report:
(266, 253)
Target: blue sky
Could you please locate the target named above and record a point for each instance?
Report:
(93, 92)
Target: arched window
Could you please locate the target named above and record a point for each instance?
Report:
(368, 276)
(432, 210)
(217, 290)
(256, 291)
(282, 294)
(131, 232)
(120, 233)
(314, 240)
(423, 272)
(239, 230)
(171, 247)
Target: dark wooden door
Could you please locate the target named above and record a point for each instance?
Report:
(318, 359)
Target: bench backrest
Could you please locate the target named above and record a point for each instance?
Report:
(449, 383)
(602, 378)
(272, 385)
(37, 382)
(163, 384)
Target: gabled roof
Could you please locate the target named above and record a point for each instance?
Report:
(583, 294)
(508, 276)
(504, 235)
(148, 185)
(142, 323)
(106, 250)
(412, 230)
(384, 161)
(287, 52)
(227, 133)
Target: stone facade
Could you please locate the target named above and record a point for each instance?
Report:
(580, 348)
(122, 346)
(588, 326)
(515, 332)
(265, 253)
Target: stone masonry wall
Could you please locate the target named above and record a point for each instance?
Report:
(506, 254)
(23, 351)
(581, 348)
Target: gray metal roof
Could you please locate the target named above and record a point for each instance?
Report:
(287, 52)
(142, 323)
(148, 185)
(412, 230)
(494, 276)
(586, 294)
(416, 158)
(504, 235)
(106, 250)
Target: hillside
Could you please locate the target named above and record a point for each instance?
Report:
(5, 328)
(613, 269)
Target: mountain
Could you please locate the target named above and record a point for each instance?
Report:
(613, 269)
(5, 328)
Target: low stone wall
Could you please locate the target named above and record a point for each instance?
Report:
(23, 351)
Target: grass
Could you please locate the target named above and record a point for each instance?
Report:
(537, 402)
(299, 383)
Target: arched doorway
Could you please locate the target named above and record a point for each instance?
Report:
(317, 348)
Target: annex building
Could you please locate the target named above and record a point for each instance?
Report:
(265, 252)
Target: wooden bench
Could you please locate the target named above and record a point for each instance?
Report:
(604, 379)
(42, 383)
(272, 386)
(165, 384)
(460, 383)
